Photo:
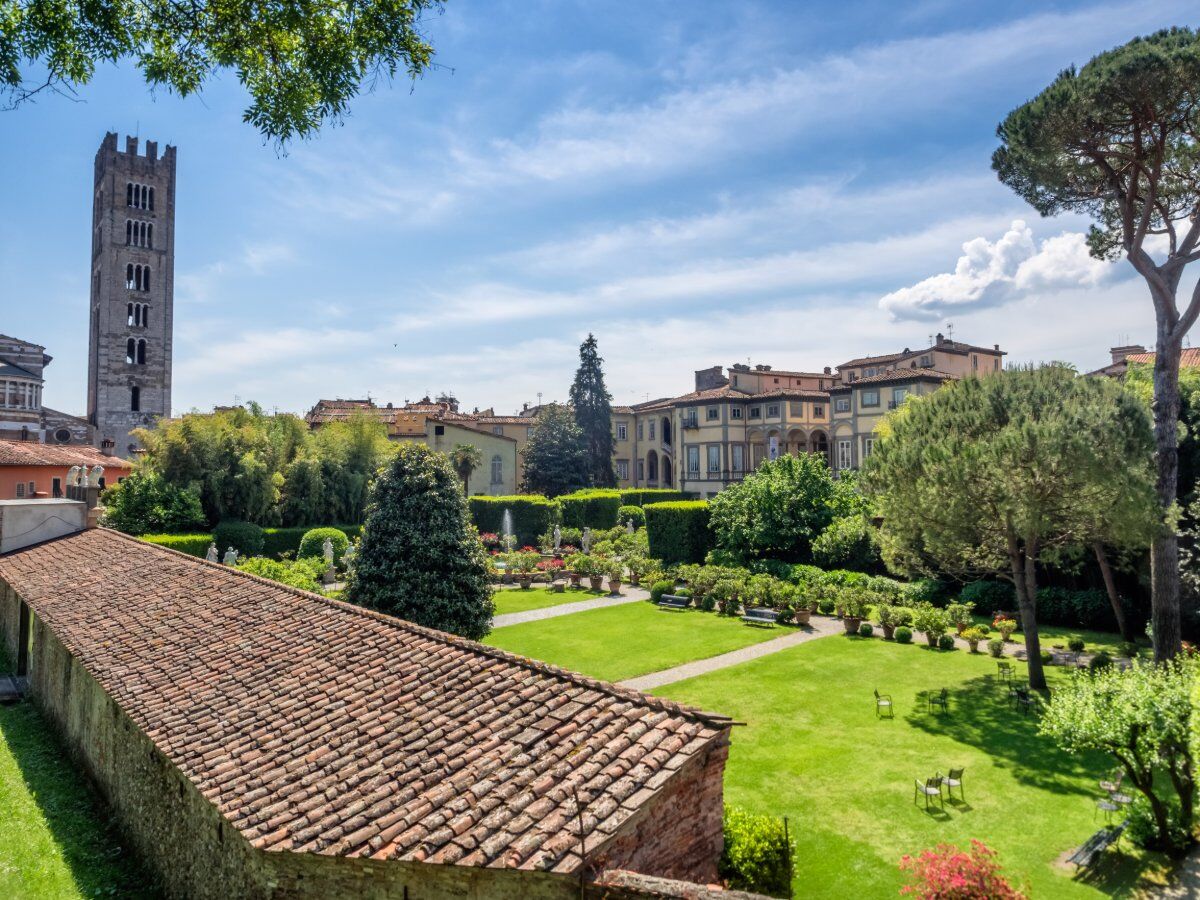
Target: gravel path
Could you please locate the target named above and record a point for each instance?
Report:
(820, 626)
(628, 595)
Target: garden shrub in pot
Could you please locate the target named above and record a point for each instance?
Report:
(973, 636)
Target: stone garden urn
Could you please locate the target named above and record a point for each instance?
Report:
(802, 615)
(574, 576)
(597, 582)
(614, 585)
(851, 623)
(525, 581)
(889, 632)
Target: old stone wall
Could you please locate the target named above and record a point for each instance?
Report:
(678, 832)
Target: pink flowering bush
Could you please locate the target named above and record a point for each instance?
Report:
(948, 873)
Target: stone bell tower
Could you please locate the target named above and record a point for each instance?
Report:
(132, 291)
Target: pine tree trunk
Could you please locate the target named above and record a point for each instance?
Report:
(1164, 552)
(1025, 582)
(1110, 586)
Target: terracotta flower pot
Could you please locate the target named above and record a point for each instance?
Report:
(889, 632)
(932, 638)
(597, 582)
(614, 585)
(525, 581)
(960, 627)
(802, 616)
(574, 579)
(851, 623)
(634, 578)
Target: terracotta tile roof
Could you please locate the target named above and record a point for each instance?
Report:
(900, 375)
(946, 346)
(866, 360)
(30, 453)
(315, 726)
(505, 420)
(623, 410)
(778, 372)
(340, 410)
(1189, 358)
(793, 392)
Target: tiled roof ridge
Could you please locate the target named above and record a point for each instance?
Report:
(452, 640)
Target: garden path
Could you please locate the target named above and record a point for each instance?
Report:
(819, 626)
(629, 595)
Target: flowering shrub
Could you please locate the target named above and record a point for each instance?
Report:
(553, 566)
(1005, 626)
(948, 873)
(490, 539)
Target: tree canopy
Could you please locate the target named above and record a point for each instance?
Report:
(555, 458)
(592, 405)
(780, 508)
(419, 557)
(991, 476)
(1117, 141)
(302, 63)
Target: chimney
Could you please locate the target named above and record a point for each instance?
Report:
(106, 446)
(941, 338)
(27, 522)
(1119, 353)
(828, 370)
(997, 347)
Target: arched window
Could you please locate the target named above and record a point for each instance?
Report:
(145, 315)
(135, 399)
(151, 198)
(150, 236)
(497, 469)
(129, 194)
(130, 314)
(145, 278)
(141, 353)
(128, 232)
(130, 351)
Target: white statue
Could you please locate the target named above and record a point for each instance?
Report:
(587, 540)
(629, 526)
(327, 551)
(211, 556)
(230, 557)
(73, 476)
(93, 480)
(557, 538)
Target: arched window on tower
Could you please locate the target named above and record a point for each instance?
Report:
(128, 232)
(145, 278)
(151, 207)
(129, 194)
(150, 235)
(129, 276)
(131, 313)
(130, 351)
(145, 315)
(135, 399)
(141, 353)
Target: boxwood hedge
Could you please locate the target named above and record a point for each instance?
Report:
(532, 514)
(591, 509)
(678, 530)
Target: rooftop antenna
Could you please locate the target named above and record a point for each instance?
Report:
(931, 340)
(950, 330)
(539, 398)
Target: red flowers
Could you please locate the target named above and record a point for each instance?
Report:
(550, 564)
(948, 873)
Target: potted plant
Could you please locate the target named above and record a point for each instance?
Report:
(801, 611)
(524, 563)
(973, 636)
(960, 615)
(854, 609)
(1005, 626)
(615, 570)
(727, 593)
(889, 618)
(931, 620)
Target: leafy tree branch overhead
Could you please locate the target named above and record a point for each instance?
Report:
(302, 61)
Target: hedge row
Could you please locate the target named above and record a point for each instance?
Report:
(652, 495)
(1088, 608)
(590, 509)
(276, 541)
(532, 514)
(678, 531)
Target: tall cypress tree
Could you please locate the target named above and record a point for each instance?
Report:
(593, 414)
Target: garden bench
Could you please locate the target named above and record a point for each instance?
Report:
(672, 601)
(760, 617)
(1086, 855)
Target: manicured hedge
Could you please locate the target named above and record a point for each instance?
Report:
(591, 509)
(651, 495)
(636, 513)
(532, 514)
(276, 541)
(678, 531)
(192, 544)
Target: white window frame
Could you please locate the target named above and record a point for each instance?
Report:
(842, 404)
(693, 459)
(845, 458)
(714, 469)
(737, 458)
(735, 412)
(622, 431)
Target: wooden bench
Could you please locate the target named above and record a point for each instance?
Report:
(1087, 855)
(760, 617)
(673, 601)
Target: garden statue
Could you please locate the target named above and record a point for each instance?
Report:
(586, 540)
(327, 552)
(230, 557)
(93, 480)
(73, 476)
(211, 556)
(557, 538)
(348, 557)
(629, 526)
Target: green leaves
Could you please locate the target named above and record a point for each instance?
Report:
(302, 61)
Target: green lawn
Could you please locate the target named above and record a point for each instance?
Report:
(54, 837)
(813, 750)
(623, 641)
(1055, 634)
(512, 600)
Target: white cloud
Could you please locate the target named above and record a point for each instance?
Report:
(992, 273)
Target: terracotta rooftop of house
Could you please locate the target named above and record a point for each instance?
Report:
(791, 393)
(946, 345)
(897, 375)
(316, 726)
(340, 410)
(1189, 358)
(504, 420)
(31, 453)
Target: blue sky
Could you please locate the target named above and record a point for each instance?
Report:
(697, 183)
